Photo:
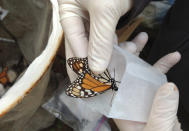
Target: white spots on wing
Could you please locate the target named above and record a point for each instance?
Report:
(93, 94)
(102, 80)
(79, 87)
(81, 65)
(104, 76)
(82, 93)
(88, 92)
(109, 83)
(80, 71)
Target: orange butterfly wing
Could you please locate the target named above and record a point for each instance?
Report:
(87, 84)
(78, 65)
(93, 84)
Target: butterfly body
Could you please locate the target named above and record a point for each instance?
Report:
(87, 84)
(113, 86)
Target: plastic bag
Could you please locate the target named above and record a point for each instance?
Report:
(132, 101)
(139, 83)
(74, 112)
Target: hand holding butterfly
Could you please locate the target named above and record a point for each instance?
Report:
(89, 27)
(164, 108)
(99, 18)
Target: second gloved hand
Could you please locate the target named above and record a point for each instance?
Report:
(164, 108)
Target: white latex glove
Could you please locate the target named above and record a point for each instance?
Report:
(164, 108)
(89, 27)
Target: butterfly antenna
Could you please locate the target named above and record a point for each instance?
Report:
(115, 78)
(112, 98)
(114, 73)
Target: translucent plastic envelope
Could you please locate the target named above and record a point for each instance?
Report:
(139, 83)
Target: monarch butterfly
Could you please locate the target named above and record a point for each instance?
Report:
(87, 84)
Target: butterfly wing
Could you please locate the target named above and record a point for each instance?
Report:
(92, 82)
(86, 86)
(76, 90)
(78, 65)
(105, 77)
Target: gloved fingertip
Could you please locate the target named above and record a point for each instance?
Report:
(172, 85)
(97, 67)
(97, 70)
(142, 37)
(167, 62)
(166, 98)
(164, 109)
(177, 56)
(167, 89)
(173, 58)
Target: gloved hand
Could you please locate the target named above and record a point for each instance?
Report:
(164, 108)
(89, 27)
